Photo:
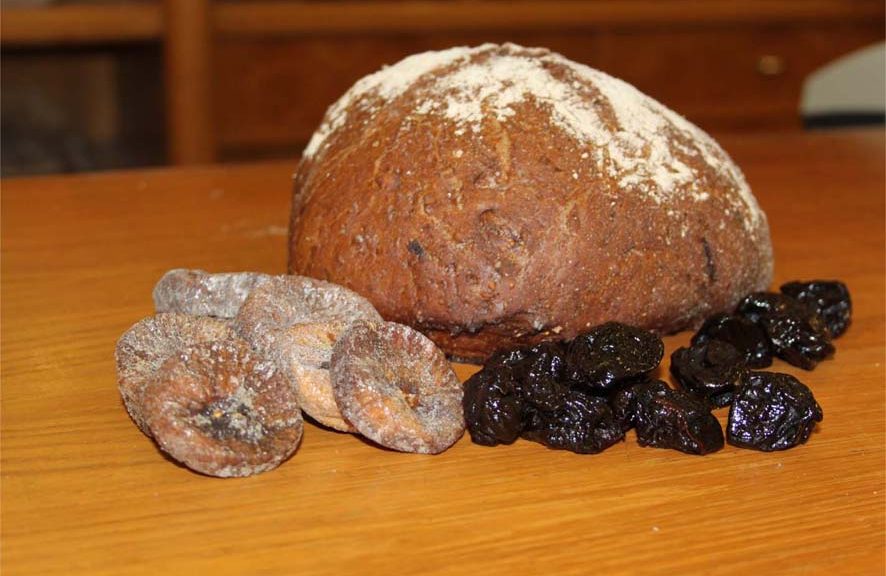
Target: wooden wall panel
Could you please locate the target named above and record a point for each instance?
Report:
(729, 78)
(271, 94)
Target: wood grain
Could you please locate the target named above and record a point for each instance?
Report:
(81, 23)
(707, 72)
(270, 18)
(188, 54)
(83, 492)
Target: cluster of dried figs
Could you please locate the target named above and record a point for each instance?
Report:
(219, 377)
(585, 394)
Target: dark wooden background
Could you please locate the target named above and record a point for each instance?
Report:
(202, 81)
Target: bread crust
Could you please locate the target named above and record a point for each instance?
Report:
(508, 229)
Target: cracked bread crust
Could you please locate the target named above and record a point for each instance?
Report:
(518, 224)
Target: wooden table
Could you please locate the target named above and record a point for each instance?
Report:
(84, 492)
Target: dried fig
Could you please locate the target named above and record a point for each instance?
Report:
(393, 385)
(295, 321)
(221, 410)
(142, 349)
(200, 293)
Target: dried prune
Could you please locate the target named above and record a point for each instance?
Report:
(295, 321)
(220, 410)
(527, 392)
(200, 293)
(539, 377)
(581, 423)
(796, 332)
(612, 354)
(796, 341)
(772, 411)
(829, 298)
(396, 388)
(493, 407)
(667, 418)
(747, 337)
(756, 305)
(710, 370)
(512, 387)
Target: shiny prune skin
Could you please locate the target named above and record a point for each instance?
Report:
(796, 341)
(829, 298)
(528, 392)
(540, 376)
(756, 305)
(743, 334)
(493, 408)
(513, 386)
(623, 402)
(795, 331)
(668, 418)
(611, 355)
(709, 370)
(759, 305)
(583, 423)
(772, 411)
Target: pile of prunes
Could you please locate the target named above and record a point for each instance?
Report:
(583, 395)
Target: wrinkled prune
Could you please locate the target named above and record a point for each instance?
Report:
(829, 298)
(582, 423)
(667, 418)
(612, 354)
(540, 377)
(624, 402)
(710, 370)
(796, 332)
(756, 305)
(744, 335)
(397, 388)
(531, 392)
(772, 411)
(493, 408)
(796, 340)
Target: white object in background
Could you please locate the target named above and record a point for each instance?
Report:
(852, 84)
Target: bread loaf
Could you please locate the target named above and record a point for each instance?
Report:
(500, 195)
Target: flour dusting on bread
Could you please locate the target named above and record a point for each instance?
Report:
(646, 149)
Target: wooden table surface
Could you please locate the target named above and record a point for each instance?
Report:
(84, 492)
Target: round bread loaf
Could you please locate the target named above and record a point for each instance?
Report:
(499, 195)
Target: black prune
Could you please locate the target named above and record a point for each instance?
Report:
(612, 354)
(772, 411)
(668, 418)
(709, 370)
(796, 332)
(540, 376)
(758, 305)
(493, 408)
(743, 334)
(796, 341)
(582, 423)
(623, 402)
(829, 298)
(512, 387)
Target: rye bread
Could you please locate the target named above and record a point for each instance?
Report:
(498, 196)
